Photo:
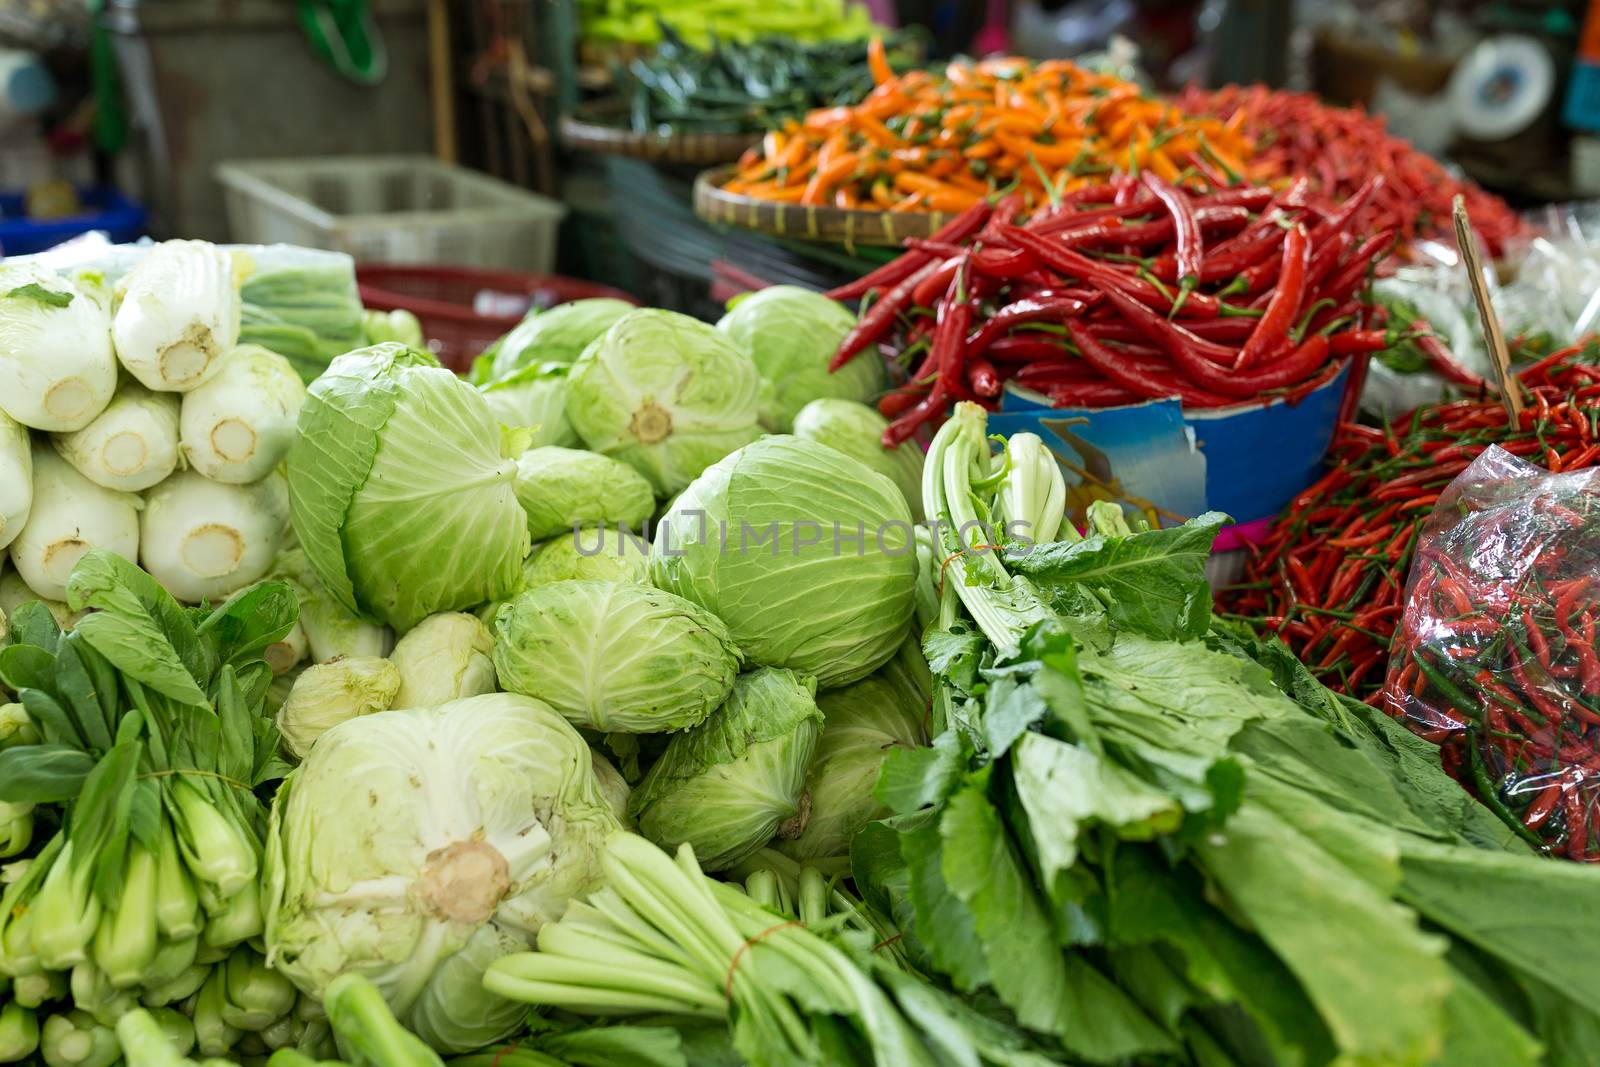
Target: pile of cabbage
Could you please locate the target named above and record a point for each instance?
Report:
(647, 573)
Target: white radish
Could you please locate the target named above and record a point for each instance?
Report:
(16, 478)
(179, 315)
(239, 425)
(203, 540)
(70, 516)
(57, 369)
(131, 445)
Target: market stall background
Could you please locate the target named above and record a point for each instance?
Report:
(644, 532)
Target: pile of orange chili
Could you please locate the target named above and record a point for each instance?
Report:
(924, 141)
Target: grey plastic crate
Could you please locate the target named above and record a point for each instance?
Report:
(391, 209)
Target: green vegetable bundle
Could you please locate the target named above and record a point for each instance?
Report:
(139, 745)
(307, 314)
(1156, 840)
(729, 83)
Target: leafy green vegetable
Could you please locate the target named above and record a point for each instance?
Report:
(40, 295)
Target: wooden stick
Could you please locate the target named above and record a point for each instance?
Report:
(1510, 392)
(441, 82)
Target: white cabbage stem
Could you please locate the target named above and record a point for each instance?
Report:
(16, 478)
(179, 315)
(131, 445)
(286, 654)
(203, 540)
(70, 516)
(56, 365)
(238, 426)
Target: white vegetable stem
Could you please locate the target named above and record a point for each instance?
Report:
(238, 425)
(56, 366)
(179, 315)
(131, 445)
(70, 516)
(203, 539)
(16, 478)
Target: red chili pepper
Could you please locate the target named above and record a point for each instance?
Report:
(982, 376)
(1340, 220)
(950, 335)
(1354, 342)
(879, 319)
(1441, 360)
(1077, 265)
(1284, 306)
(955, 231)
(1025, 348)
(1023, 311)
(1087, 394)
(934, 284)
(905, 427)
(1130, 375)
(1189, 250)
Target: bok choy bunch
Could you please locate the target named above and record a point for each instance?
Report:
(144, 746)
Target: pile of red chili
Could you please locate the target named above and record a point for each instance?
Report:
(1495, 657)
(1330, 578)
(1121, 292)
(1338, 147)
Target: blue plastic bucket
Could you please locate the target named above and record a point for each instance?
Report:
(103, 209)
(1247, 461)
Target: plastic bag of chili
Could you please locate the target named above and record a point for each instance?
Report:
(1496, 658)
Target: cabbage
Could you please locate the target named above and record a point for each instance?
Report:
(804, 552)
(415, 847)
(401, 492)
(558, 335)
(615, 656)
(444, 657)
(57, 367)
(863, 723)
(792, 333)
(591, 552)
(326, 694)
(535, 399)
(728, 785)
(857, 431)
(666, 394)
(561, 488)
(331, 629)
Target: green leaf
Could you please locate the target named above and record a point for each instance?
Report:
(617, 1046)
(236, 758)
(99, 822)
(138, 627)
(1049, 992)
(1011, 707)
(1480, 1033)
(1151, 583)
(55, 725)
(955, 655)
(77, 689)
(40, 295)
(250, 621)
(43, 774)
(1378, 980)
(32, 624)
(914, 778)
(1067, 790)
(944, 925)
(144, 813)
(27, 667)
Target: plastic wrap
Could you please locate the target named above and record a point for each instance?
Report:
(1495, 658)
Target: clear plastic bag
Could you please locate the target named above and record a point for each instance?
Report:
(1495, 658)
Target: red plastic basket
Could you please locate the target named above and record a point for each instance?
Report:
(463, 309)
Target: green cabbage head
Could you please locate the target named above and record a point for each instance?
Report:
(730, 784)
(792, 333)
(863, 723)
(615, 656)
(557, 335)
(590, 552)
(416, 847)
(561, 488)
(533, 399)
(805, 553)
(401, 490)
(666, 394)
(857, 430)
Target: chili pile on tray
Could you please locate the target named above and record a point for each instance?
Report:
(1338, 148)
(922, 141)
(1330, 579)
(1122, 292)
